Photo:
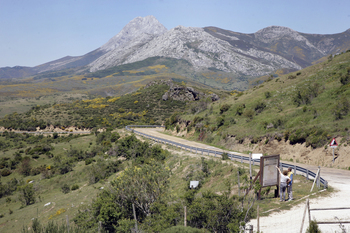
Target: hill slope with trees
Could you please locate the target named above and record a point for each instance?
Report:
(309, 106)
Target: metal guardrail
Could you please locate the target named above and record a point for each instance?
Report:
(307, 173)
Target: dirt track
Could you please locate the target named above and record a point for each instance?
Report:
(290, 221)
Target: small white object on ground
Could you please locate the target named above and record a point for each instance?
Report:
(49, 203)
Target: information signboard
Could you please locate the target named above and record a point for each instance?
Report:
(268, 172)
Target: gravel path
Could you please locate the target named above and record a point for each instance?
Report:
(290, 220)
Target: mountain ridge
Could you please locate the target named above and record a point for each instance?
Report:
(242, 55)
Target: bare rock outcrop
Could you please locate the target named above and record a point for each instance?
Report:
(181, 93)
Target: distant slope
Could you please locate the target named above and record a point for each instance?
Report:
(69, 62)
(330, 44)
(16, 72)
(300, 48)
(117, 80)
(146, 106)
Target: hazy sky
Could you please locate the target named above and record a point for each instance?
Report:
(33, 32)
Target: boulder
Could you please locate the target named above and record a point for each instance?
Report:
(193, 92)
(214, 97)
(165, 97)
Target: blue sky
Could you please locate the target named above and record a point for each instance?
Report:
(33, 32)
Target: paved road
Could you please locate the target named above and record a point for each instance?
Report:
(290, 221)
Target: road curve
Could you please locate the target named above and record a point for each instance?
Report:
(290, 221)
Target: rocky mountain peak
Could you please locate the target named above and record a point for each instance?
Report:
(136, 27)
(272, 33)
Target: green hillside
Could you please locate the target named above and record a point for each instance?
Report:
(94, 180)
(310, 105)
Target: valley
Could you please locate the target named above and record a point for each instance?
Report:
(65, 155)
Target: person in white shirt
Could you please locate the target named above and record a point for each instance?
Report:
(283, 184)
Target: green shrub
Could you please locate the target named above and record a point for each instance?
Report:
(304, 95)
(345, 79)
(25, 166)
(36, 170)
(230, 121)
(224, 156)
(36, 225)
(74, 187)
(209, 138)
(65, 189)
(26, 194)
(125, 225)
(255, 140)
(182, 229)
(115, 137)
(38, 150)
(5, 172)
(249, 113)
(341, 108)
(189, 127)
(220, 121)
(240, 109)
(64, 166)
(259, 107)
(313, 227)
(298, 136)
(101, 170)
(314, 137)
(89, 161)
(224, 108)
(35, 156)
(197, 119)
(286, 135)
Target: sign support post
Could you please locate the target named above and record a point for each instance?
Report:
(250, 167)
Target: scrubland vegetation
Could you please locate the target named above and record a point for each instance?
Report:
(113, 172)
(142, 107)
(95, 179)
(311, 106)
